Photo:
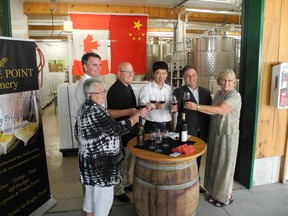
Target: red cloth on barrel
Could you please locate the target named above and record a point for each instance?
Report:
(184, 149)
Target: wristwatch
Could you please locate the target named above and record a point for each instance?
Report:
(198, 107)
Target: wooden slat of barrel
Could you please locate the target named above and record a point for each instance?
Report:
(166, 188)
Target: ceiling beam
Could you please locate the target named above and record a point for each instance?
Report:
(63, 9)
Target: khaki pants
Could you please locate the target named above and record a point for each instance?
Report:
(119, 189)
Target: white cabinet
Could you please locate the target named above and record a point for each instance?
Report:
(279, 86)
(65, 99)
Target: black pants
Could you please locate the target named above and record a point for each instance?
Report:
(151, 126)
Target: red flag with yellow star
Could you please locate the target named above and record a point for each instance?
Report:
(128, 41)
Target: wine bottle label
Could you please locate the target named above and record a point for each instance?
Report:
(183, 136)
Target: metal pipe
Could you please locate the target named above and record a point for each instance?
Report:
(213, 11)
(179, 4)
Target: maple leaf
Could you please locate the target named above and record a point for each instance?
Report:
(89, 44)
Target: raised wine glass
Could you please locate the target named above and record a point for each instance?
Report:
(142, 103)
(152, 99)
(162, 99)
(173, 102)
(186, 96)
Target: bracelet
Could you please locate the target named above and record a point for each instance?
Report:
(198, 107)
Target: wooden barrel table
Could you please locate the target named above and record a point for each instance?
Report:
(163, 185)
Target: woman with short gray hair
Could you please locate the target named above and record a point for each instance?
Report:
(100, 152)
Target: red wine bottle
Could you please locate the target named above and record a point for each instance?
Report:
(183, 130)
(140, 132)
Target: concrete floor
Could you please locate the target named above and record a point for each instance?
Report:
(265, 200)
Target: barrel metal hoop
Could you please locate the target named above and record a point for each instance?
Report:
(167, 187)
(143, 163)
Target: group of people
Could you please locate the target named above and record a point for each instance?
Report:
(103, 133)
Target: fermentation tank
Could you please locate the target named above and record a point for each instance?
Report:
(162, 50)
(151, 56)
(213, 54)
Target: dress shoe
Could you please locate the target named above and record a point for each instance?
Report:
(123, 198)
(202, 190)
(129, 188)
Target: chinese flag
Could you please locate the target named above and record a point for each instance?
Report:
(128, 41)
(90, 34)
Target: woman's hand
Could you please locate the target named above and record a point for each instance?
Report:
(190, 105)
(143, 112)
(173, 108)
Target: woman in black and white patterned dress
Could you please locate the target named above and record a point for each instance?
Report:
(100, 152)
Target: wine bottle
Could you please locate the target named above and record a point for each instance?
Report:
(183, 130)
(140, 132)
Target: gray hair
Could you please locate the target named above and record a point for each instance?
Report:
(227, 73)
(88, 85)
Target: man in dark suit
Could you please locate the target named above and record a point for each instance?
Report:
(120, 97)
(197, 123)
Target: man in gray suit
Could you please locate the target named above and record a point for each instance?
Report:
(197, 123)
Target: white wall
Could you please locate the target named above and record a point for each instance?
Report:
(19, 20)
(266, 170)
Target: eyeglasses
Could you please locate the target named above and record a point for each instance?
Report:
(227, 80)
(101, 92)
(128, 72)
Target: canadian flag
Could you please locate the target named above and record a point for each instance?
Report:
(90, 34)
(124, 35)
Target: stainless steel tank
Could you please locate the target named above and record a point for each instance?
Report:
(212, 54)
(151, 56)
(157, 52)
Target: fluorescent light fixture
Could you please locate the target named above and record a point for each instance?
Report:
(68, 26)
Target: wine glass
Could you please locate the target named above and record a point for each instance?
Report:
(158, 141)
(152, 99)
(152, 140)
(165, 137)
(186, 96)
(7, 139)
(162, 99)
(26, 117)
(142, 103)
(173, 102)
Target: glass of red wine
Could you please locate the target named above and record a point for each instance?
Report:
(142, 103)
(162, 99)
(152, 99)
(173, 102)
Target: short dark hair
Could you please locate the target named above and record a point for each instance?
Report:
(86, 57)
(187, 67)
(160, 65)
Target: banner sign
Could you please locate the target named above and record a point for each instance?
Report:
(18, 68)
(24, 184)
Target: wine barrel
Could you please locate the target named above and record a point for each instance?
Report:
(166, 188)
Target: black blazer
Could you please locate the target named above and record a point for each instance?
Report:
(195, 120)
(119, 97)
